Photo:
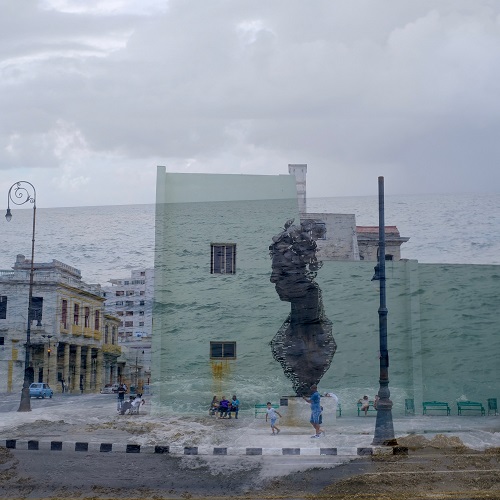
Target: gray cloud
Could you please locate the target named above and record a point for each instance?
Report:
(356, 89)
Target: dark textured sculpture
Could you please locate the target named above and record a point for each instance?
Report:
(304, 345)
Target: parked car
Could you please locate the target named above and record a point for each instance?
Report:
(109, 389)
(40, 390)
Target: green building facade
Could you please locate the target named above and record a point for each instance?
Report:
(216, 310)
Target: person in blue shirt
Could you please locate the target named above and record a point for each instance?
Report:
(234, 406)
(315, 402)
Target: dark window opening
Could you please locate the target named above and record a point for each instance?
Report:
(222, 350)
(3, 307)
(36, 310)
(76, 314)
(64, 314)
(223, 258)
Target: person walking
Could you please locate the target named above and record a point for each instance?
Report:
(315, 402)
(121, 396)
(273, 416)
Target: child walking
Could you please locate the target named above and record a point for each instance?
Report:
(273, 416)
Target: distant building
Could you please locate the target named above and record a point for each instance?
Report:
(131, 300)
(71, 337)
(338, 237)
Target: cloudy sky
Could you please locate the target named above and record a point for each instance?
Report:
(95, 93)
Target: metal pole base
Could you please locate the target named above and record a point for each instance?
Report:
(384, 428)
(25, 404)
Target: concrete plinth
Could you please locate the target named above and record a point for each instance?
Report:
(296, 412)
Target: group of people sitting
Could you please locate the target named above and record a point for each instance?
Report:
(132, 405)
(365, 403)
(224, 407)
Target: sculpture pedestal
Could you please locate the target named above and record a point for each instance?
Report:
(297, 413)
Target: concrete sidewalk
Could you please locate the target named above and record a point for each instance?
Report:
(90, 422)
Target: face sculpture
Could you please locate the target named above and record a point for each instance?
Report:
(304, 345)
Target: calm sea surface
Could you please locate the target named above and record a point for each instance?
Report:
(107, 242)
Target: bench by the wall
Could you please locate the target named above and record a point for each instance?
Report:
(435, 405)
(492, 406)
(470, 406)
(409, 407)
(370, 408)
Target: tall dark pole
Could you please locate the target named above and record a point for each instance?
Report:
(384, 428)
(20, 196)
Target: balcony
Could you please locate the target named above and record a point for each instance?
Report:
(112, 349)
(76, 330)
(88, 333)
(63, 328)
(97, 335)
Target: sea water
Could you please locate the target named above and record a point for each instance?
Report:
(107, 242)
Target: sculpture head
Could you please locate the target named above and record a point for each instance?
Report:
(294, 262)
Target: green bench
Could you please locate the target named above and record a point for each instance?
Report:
(370, 408)
(260, 410)
(409, 407)
(470, 406)
(435, 405)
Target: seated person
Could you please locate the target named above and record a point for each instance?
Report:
(137, 402)
(214, 406)
(365, 404)
(126, 406)
(223, 407)
(234, 406)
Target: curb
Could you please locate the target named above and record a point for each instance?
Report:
(96, 447)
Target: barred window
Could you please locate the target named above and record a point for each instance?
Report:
(222, 350)
(223, 258)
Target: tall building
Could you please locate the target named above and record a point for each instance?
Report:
(72, 340)
(131, 300)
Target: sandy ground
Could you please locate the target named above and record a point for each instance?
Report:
(439, 465)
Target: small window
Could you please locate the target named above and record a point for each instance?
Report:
(3, 307)
(142, 292)
(125, 282)
(76, 314)
(141, 323)
(119, 293)
(119, 313)
(129, 323)
(222, 350)
(64, 313)
(129, 313)
(97, 319)
(119, 303)
(86, 322)
(319, 230)
(223, 258)
(141, 313)
(129, 293)
(141, 303)
(2, 340)
(36, 310)
(143, 273)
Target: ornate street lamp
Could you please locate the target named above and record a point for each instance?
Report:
(384, 428)
(20, 193)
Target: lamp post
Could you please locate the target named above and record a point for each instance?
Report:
(48, 357)
(20, 193)
(384, 428)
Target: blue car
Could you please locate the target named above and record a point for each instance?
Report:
(39, 390)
